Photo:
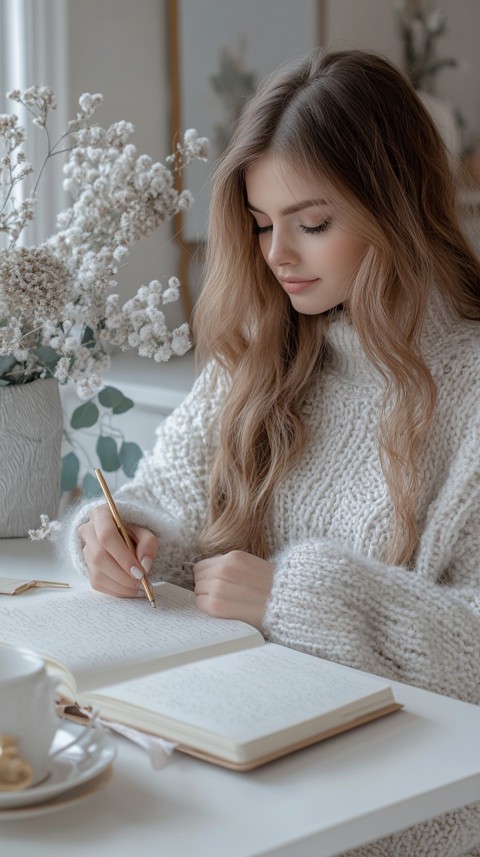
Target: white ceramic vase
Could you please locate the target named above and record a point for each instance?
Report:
(31, 426)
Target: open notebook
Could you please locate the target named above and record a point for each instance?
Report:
(213, 686)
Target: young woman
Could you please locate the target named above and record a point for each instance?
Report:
(322, 479)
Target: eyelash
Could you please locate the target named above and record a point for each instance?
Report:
(307, 230)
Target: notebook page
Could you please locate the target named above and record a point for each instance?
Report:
(249, 695)
(103, 639)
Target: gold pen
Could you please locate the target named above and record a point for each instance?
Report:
(123, 531)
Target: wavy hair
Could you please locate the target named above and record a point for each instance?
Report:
(351, 120)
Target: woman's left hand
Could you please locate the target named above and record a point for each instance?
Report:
(235, 585)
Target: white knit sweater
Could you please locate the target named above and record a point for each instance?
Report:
(331, 517)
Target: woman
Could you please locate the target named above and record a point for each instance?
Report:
(322, 479)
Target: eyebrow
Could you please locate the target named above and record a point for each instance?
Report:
(292, 209)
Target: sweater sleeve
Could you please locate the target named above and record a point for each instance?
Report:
(168, 493)
(420, 624)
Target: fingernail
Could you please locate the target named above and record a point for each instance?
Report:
(135, 572)
(140, 593)
(147, 563)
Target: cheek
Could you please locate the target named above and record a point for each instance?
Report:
(343, 256)
(264, 245)
(353, 253)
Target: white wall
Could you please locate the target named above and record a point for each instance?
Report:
(368, 24)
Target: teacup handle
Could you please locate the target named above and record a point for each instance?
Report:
(77, 740)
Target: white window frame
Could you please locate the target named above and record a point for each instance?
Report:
(34, 50)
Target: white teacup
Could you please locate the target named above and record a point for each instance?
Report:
(28, 721)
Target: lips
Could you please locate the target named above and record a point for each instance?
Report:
(294, 286)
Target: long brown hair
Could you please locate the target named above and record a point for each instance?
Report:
(351, 120)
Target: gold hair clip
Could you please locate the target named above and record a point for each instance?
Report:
(13, 586)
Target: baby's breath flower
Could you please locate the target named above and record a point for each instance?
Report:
(120, 254)
(88, 387)
(195, 146)
(181, 340)
(162, 353)
(89, 103)
(185, 200)
(47, 531)
(62, 369)
(33, 283)
(173, 291)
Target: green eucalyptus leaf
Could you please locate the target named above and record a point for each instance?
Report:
(130, 455)
(123, 406)
(108, 453)
(88, 337)
(47, 356)
(90, 486)
(110, 396)
(70, 471)
(7, 362)
(84, 416)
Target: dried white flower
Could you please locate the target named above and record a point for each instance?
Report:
(89, 103)
(34, 283)
(47, 531)
(60, 313)
(181, 340)
(120, 254)
(173, 291)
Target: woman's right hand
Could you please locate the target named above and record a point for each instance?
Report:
(111, 567)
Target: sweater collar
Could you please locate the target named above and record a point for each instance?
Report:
(345, 357)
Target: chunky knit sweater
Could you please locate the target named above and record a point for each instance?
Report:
(330, 520)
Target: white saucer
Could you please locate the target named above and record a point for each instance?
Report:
(72, 767)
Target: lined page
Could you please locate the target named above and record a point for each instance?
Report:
(104, 639)
(259, 695)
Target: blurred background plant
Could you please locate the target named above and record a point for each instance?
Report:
(234, 86)
(421, 27)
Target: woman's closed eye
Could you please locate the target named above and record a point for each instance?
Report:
(314, 230)
(307, 230)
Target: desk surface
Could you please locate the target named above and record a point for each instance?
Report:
(321, 801)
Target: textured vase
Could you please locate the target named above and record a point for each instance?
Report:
(31, 425)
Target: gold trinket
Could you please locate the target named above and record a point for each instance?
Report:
(15, 772)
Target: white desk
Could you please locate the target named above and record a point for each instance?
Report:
(321, 801)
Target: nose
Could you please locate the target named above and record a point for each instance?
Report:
(281, 250)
